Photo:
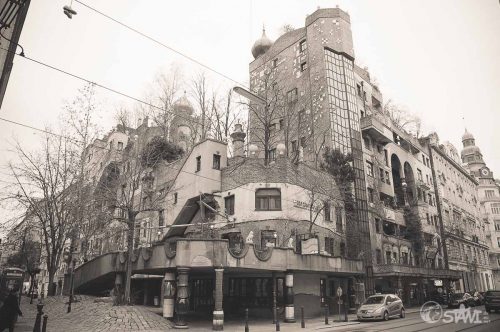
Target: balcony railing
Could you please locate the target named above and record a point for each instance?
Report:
(375, 128)
(408, 270)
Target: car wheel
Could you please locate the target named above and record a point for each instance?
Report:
(386, 315)
(402, 314)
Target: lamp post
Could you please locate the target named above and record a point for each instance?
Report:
(71, 261)
(405, 194)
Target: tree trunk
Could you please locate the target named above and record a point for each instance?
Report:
(130, 251)
(51, 291)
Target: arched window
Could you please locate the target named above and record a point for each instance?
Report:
(268, 199)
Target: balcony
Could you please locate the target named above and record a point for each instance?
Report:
(423, 185)
(396, 216)
(375, 128)
(414, 271)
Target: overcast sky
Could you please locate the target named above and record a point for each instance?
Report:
(438, 58)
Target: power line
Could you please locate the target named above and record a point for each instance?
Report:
(160, 43)
(123, 94)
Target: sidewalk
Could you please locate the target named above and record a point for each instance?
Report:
(89, 315)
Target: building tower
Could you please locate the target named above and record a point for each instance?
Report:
(182, 126)
(471, 154)
(312, 68)
(489, 198)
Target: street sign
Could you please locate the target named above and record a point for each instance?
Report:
(339, 291)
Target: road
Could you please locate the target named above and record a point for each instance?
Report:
(413, 323)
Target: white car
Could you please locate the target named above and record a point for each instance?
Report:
(381, 306)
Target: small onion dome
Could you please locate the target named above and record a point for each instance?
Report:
(183, 104)
(261, 45)
(467, 136)
(471, 150)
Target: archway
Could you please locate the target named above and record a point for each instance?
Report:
(397, 180)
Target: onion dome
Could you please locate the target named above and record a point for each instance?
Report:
(467, 136)
(261, 45)
(183, 105)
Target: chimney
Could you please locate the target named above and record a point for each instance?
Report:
(238, 137)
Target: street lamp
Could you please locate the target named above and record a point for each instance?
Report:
(250, 95)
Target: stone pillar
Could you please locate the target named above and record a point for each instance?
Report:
(218, 316)
(168, 295)
(182, 300)
(289, 306)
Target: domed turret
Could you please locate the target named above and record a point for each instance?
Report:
(261, 45)
(183, 105)
(467, 136)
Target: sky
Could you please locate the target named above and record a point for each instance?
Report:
(440, 59)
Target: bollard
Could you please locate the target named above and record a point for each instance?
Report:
(345, 311)
(38, 320)
(246, 320)
(277, 323)
(302, 321)
(44, 325)
(326, 315)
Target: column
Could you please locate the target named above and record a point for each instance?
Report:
(289, 307)
(218, 316)
(182, 300)
(168, 295)
(118, 289)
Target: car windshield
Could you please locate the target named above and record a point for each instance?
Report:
(375, 300)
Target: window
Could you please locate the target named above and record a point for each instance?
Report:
(489, 193)
(303, 46)
(379, 256)
(358, 86)
(342, 249)
(292, 95)
(175, 198)
(268, 238)
(198, 163)
(366, 141)
(377, 225)
(495, 208)
(268, 199)
(419, 175)
(388, 257)
(369, 168)
(404, 258)
(386, 158)
(428, 219)
(497, 225)
(428, 162)
(327, 210)
(338, 220)
(387, 177)
(498, 242)
(294, 145)
(303, 66)
(275, 63)
(382, 174)
(161, 218)
(271, 155)
(281, 124)
(229, 204)
(329, 245)
(216, 161)
(303, 141)
(120, 146)
(370, 195)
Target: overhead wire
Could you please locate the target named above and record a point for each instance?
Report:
(159, 43)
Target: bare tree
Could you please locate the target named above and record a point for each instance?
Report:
(200, 91)
(44, 184)
(402, 118)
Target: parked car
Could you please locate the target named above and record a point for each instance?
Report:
(478, 298)
(381, 306)
(492, 300)
(461, 298)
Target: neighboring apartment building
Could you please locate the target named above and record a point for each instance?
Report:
(464, 230)
(489, 198)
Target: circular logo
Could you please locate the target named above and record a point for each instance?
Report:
(431, 312)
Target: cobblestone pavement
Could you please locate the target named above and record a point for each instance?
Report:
(88, 315)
